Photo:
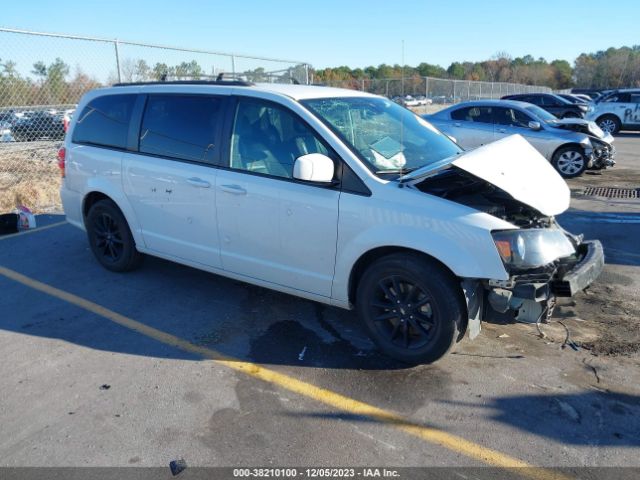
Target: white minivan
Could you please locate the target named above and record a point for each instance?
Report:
(334, 195)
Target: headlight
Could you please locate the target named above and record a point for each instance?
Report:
(584, 108)
(532, 248)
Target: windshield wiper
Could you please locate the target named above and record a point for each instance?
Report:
(395, 171)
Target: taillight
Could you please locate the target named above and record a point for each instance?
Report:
(62, 153)
(65, 123)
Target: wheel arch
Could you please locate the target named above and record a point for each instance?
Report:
(97, 194)
(91, 199)
(611, 115)
(370, 256)
(374, 254)
(565, 145)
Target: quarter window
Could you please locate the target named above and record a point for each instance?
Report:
(267, 139)
(105, 121)
(181, 126)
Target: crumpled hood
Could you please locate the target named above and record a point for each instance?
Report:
(514, 166)
(584, 126)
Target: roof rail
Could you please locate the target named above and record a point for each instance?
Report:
(229, 83)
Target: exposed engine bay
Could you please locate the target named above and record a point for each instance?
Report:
(529, 293)
(461, 187)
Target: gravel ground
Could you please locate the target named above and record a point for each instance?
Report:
(29, 176)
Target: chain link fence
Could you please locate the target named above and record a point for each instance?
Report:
(44, 75)
(432, 94)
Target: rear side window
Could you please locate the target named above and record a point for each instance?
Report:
(473, 114)
(105, 121)
(181, 126)
(621, 97)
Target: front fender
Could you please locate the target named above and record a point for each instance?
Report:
(462, 243)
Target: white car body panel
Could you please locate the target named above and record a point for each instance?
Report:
(406, 217)
(173, 203)
(276, 230)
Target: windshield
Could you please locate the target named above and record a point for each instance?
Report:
(541, 113)
(387, 137)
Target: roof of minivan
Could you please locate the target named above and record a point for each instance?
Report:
(296, 92)
(301, 92)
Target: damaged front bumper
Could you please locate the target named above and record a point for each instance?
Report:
(601, 157)
(529, 297)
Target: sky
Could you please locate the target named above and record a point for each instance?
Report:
(356, 33)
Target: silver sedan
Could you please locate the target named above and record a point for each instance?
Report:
(572, 145)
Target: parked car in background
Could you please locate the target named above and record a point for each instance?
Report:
(579, 100)
(572, 145)
(592, 93)
(617, 110)
(422, 100)
(296, 188)
(553, 104)
(410, 101)
(66, 118)
(584, 97)
(8, 119)
(38, 126)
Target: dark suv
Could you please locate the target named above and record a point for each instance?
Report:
(553, 104)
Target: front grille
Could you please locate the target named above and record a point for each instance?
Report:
(612, 192)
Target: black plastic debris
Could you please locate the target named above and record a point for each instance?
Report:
(9, 223)
(105, 386)
(177, 466)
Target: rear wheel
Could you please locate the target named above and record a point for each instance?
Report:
(411, 307)
(609, 124)
(110, 238)
(570, 161)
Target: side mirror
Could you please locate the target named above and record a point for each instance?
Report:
(314, 167)
(535, 126)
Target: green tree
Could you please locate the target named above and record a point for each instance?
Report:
(456, 70)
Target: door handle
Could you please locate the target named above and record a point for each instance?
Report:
(235, 189)
(198, 182)
(502, 130)
(456, 124)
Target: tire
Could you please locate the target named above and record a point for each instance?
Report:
(110, 238)
(569, 161)
(609, 124)
(411, 307)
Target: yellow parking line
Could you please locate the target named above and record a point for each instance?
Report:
(38, 229)
(429, 434)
